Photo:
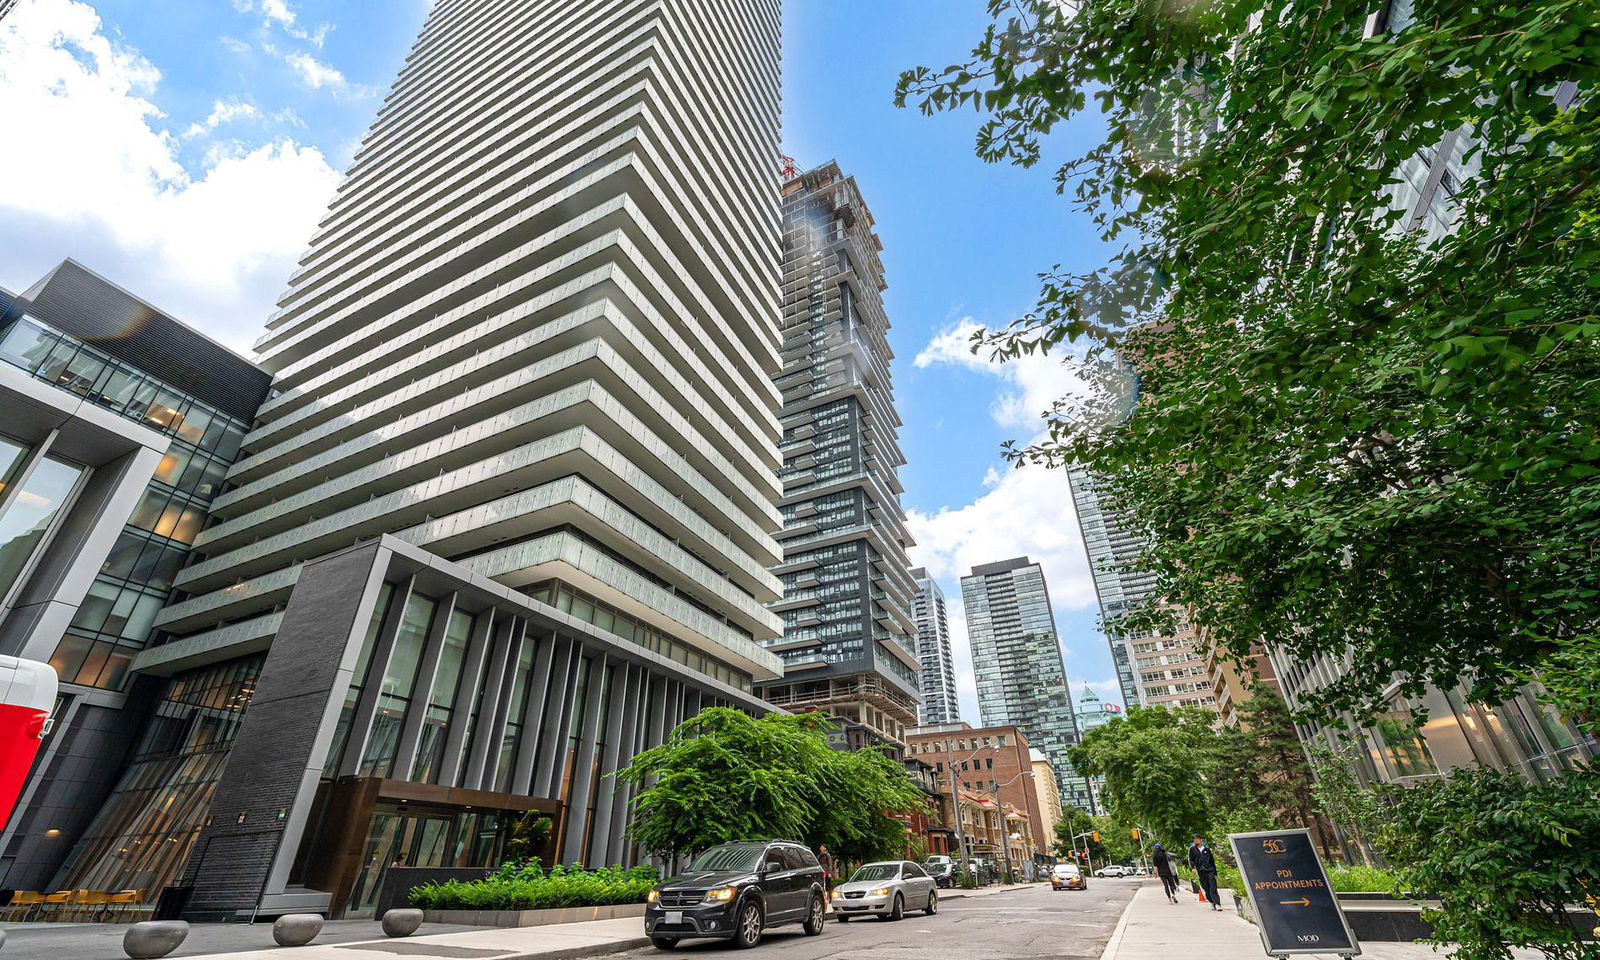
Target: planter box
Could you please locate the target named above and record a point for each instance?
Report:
(1384, 918)
(532, 918)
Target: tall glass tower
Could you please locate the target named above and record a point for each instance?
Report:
(508, 515)
(939, 702)
(848, 639)
(1016, 655)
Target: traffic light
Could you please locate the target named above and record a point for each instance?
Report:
(1096, 835)
(1135, 833)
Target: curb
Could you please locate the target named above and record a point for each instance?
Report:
(1115, 943)
(573, 953)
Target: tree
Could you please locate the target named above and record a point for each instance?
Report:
(1353, 436)
(1341, 795)
(1277, 761)
(1506, 859)
(723, 775)
(1154, 762)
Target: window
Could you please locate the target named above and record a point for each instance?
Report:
(28, 519)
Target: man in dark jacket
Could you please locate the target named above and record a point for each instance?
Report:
(1204, 863)
(1167, 869)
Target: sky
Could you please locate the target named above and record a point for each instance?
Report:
(187, 148)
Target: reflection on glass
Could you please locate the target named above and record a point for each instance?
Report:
(23, 525)
(12, 454)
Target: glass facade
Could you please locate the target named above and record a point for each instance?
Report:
(31, 509)
(114, 621)
(143, 833)
(586, 608)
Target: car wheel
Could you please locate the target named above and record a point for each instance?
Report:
(751, 922)
(899, 910)
(814, 917)
(665, 943)
(933, 903)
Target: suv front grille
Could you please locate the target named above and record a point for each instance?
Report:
(854, 894)
(680, 898)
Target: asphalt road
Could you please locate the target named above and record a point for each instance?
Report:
(1033, 923)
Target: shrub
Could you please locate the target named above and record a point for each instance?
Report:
(528, 886)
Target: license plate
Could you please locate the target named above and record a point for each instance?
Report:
(674, 916)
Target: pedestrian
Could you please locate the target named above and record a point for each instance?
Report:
(1204, 863)
(1166, 869)
(825, 859)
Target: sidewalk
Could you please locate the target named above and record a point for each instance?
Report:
(1153, 929)
(554, 942)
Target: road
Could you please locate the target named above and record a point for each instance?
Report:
(1032, 923)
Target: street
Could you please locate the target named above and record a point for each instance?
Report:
(1030, 922)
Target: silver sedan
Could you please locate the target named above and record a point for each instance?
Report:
(886, 890)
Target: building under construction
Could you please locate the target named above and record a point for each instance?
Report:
(848, 643)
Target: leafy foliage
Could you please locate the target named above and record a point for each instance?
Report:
(724, 775)
(1341, 795)
(1506, 859)
(526, 885)
(1357, 434)
(1154, 762)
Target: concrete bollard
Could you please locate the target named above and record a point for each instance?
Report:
(154, 938)
(296, 929)
(401, 921)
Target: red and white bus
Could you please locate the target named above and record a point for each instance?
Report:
(27, 695)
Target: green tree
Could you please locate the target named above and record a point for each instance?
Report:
(1352, 437)
(1154, 762)
(1506, 859)
(1348, 802)
(724, 775)
(1277, 763)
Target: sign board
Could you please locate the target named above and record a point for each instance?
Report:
(1295, 907)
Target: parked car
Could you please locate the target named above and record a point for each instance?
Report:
(886, 889)
(737, 891)
(1113, 870)
(1067, 876)
(943, 872)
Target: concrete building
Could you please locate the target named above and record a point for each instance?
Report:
(938, 679)
(1016, 655)
(1048, 791)
(996, 761)
(1092, 713)
(1153, 669)
(119, 425)
(848, 643)
(507, 517)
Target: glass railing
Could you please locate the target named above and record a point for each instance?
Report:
(56, 358)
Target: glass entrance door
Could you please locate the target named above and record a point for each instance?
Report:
(398, 838)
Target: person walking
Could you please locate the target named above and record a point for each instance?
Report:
(1167, 869)
(1204, 863)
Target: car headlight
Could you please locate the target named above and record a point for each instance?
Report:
(653, 896)
(722, 893)
(880, 892)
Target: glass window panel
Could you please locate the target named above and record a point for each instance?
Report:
(142, 617)
(26, 521)
(173, 465)
(448, 675)
(124, 557)
(401, 676)
(209, 482)
(69, 655)
(166, 568)
(81, 373)
(228, 444)
(147, 515)
(117, 387)
(189, 524)
(194, 424)
(12, 455)
(26, 345)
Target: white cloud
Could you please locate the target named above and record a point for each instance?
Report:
(223, 111)
(1031, 382)
(278, 13)
(318, 75)
(106, 185)
(1024, 511)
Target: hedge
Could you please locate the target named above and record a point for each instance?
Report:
(529, 886)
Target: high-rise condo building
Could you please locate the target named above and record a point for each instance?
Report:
(507, 517)
(1152, 668)
(848, 635)
(939, 702)
(1016, 655)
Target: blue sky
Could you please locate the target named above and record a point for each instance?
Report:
(187, 148)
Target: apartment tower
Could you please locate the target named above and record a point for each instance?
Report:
(1016, 655)
(508, 516)
(939, 703)
(848, 635)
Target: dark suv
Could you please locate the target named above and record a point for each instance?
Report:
(736, 891)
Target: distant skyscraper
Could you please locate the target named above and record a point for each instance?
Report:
(1152, 669)
(1016, 655)
(848, 634)
(939, 704)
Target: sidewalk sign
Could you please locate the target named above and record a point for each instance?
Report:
(1295, 907)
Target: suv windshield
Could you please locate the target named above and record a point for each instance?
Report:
(728, 857)
(936, 868)
(876, 871)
